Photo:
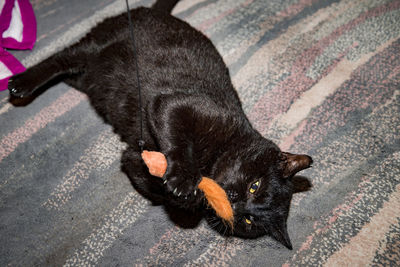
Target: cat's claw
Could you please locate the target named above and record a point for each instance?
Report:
(180, 189)
(13, 90)
(15, 93)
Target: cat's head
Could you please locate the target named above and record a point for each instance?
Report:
(257, 179)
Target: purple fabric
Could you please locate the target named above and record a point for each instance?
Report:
(5, 17)
(28, 36)
(29, 31)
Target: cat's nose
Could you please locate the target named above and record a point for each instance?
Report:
(232, 196)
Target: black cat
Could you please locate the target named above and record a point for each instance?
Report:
(191, 113)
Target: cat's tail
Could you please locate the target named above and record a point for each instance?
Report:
(165, 5)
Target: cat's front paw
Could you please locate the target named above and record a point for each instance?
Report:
(185, 194)
(181, 181)
(180, 187)
(22, 85)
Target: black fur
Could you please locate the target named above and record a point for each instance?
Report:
(191, 112)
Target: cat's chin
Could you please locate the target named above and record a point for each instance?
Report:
(223, 228)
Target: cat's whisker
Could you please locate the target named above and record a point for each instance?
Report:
(215, 224)
(265, 229)
(221, 228)
(226, 228)
(214, 219)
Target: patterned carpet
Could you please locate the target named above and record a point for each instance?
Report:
(317, 77)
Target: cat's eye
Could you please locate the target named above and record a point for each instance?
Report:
(253, 188)
(246, 220)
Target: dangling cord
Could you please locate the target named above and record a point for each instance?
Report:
(141, 141)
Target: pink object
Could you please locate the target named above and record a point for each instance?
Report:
(17, 31)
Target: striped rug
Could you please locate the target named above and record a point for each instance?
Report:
(320, 77)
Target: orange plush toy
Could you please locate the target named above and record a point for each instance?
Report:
(215, 195)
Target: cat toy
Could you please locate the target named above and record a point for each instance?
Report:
(215, 195)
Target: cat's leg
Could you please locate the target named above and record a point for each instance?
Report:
(70, 61)
(181, 124)
(182, 175)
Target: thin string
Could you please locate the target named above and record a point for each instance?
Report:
(140, 141)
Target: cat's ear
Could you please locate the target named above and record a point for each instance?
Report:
(279, 232)
(293, 163)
